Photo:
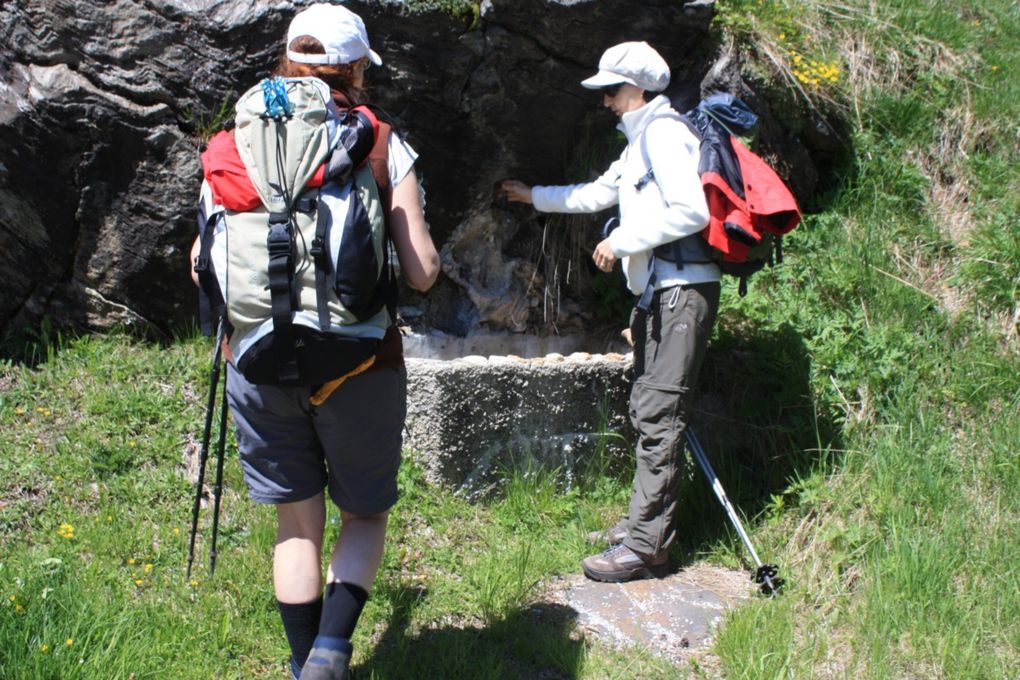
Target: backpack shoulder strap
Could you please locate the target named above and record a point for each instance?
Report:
(692, 127)
(379, 159)
(672, 251)
(211, 305)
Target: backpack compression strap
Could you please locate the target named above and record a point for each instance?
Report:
(280, 245)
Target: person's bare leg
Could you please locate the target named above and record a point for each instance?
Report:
(297, 573)
(297, 560)
(359, 549)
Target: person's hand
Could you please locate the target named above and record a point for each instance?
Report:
(603, 256)
(516, 191)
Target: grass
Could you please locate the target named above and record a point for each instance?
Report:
(896, 546)
(95, 503)
(875, 374)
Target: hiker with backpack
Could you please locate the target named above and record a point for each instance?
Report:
(300, 204)
(656, 184)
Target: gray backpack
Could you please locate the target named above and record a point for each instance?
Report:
(294, 251)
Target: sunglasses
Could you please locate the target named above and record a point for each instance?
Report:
(611, 90)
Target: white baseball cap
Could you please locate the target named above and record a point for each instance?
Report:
(631, 62)
(341, 32)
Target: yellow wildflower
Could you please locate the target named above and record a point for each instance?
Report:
(66, 531)
(69, 641)
(147, 568)
(18, 411)
(44, 648)
(139, 581)
(131, 560)
(19, 609)
(194, 583)
(176, 531)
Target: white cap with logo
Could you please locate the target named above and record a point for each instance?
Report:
(341, 32)
(631, 62)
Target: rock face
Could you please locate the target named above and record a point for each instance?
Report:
(103, 107)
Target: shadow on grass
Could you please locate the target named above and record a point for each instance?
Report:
(33, 345)
(536, 642)
(761, 428)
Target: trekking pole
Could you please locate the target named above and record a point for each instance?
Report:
(214, 380)
(218, 487)
(765, 574)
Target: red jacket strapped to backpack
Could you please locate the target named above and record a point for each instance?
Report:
(767, 206)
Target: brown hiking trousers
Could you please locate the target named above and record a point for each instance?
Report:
(669, 345)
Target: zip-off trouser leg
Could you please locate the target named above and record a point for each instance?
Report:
(669, 345)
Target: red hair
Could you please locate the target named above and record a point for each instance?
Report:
(337, 76)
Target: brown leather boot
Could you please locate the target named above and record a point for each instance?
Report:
(620, 563)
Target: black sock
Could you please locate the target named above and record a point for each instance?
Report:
(301, 625)
(341, 609)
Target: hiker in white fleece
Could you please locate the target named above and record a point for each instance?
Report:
(656, 184)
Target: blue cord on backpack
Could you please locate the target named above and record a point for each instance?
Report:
(274, 93)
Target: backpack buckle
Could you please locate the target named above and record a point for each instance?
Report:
(318, 247)
(644, 180)
(306, 205)
(278, 239)
(201, 264)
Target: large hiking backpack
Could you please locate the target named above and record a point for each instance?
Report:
(294, 253)
(750, 207)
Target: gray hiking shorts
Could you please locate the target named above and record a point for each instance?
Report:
(291, 450)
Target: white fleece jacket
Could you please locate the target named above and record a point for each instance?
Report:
(664, 209)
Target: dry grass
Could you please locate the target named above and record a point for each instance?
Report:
(902, 63)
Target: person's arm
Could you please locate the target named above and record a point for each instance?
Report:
(196, 246)
(673, 154)
(419, 261)
(580, 198)
(569, 198)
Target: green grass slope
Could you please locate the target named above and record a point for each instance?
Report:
(904, 289)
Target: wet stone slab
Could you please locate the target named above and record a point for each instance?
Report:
(672, 616)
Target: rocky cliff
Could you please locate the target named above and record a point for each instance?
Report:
(103, 107)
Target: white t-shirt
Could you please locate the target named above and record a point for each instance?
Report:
(401, 158)
(400, 161)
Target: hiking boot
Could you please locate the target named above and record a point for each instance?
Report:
(329, 659)
(619, 563)
(613, 535)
